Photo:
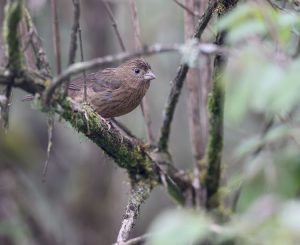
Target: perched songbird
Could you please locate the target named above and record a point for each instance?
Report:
(116, 91)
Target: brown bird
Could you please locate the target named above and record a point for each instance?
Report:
(116, 91)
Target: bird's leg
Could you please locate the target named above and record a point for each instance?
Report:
(83, 109)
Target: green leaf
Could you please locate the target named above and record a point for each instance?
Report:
(239, 14)
(178, 227)
(248, 28)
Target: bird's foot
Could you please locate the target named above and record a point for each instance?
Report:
(107, 122)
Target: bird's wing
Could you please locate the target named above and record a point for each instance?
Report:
(99, 82)
(78, 83)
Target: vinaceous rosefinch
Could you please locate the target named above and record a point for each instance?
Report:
(116, 91)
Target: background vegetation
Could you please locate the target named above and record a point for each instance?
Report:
(85, 194)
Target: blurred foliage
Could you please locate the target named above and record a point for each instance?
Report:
(262, 166)
(84, 196)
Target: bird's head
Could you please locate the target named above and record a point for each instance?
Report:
(137, 70)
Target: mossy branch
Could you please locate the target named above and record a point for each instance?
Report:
(13, 15)
(128, 153)
(216, 114)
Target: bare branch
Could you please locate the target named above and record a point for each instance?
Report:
(178, 82)
(56, 36)
(114, 24)
(73, 38)
(75, 28)
(135, 241)
(136, 25)
(193, 102)
(187, 9)
(15, 62)
(49, 146)
(6, 107)
(82, 60)
(274, 5)
(139, 193)
(138, 45)
(42, 63)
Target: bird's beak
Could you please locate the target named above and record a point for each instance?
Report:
(149, 75)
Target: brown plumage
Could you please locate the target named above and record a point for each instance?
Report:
(116, 91)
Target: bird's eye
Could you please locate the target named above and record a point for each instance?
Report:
(136, 71)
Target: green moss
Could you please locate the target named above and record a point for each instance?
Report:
(215, 141)
(13, 15)
(126, 155)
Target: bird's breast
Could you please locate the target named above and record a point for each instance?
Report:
(121, 101)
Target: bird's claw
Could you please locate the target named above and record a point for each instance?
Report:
(107, 122)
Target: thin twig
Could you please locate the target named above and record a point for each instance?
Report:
(201, 6)
(136, 25)
(57, 51)
(75, 27)
(73, 38)
(13, 50)
(178, 82)
(187, 9)
(49, 147)
(297, 51)
(82, 60)
(42, 63)
(135, 241)
(138, 45)
(139, 193)
(56, 36)
(274, 5)
(6, 107)
(114, 24)
(110, 59)
(81, 53)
